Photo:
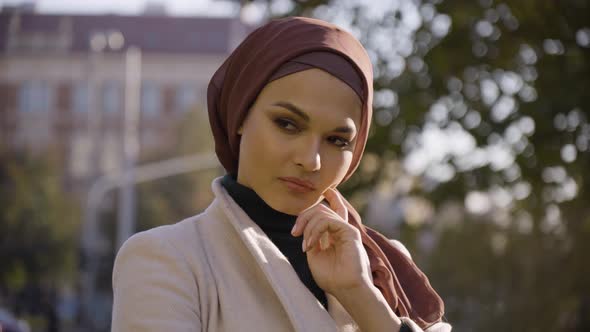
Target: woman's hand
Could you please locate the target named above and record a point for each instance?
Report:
(340, 265)
(335, 253)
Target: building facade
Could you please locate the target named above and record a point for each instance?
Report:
(62, 81)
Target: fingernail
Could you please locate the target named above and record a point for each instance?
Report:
(303, 245)
(294, 229)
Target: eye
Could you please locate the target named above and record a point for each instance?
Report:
(285, 124)
(339, 141)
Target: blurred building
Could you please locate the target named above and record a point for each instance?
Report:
(62, 80)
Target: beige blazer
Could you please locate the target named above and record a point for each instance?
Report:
(216, 271)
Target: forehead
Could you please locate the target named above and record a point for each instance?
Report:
(322, 96)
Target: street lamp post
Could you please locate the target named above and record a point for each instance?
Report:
(114, 180)
(92, 243)
(127, 201)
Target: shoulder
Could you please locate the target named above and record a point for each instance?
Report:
(146, 251)
(437, 327)
(164, 257)
(155, 281)
(161, 237)
(171, 246)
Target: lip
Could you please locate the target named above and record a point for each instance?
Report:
(297, 184)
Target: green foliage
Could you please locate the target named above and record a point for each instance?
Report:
(174, 198)
(38, 224)
(509, 79)
(169, 200)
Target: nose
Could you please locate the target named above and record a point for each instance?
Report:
(308, 156)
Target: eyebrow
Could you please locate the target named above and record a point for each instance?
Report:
(302, 114)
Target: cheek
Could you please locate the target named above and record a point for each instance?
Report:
(262, 145)
(337, 164)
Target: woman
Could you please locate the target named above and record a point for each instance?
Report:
(279, 249)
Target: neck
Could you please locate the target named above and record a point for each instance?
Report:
(256, 208)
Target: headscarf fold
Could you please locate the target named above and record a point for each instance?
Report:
(285, 46)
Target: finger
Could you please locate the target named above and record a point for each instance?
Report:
(303, 218)
(308, 241)
(319, 226)
(301, 222)
(336, 203)
(312, 223)
(325, 241)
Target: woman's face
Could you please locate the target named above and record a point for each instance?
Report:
(304, 126)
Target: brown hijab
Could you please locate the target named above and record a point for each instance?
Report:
(292, 44)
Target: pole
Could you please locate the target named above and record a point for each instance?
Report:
(127, 195)
(97, 43)
(96, 245)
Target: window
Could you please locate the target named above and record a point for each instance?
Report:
(151, 99)
(111, 97)
(80, 97)
(186, 98)
(80, 158)
(35, 96)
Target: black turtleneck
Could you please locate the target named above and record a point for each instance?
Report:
(277, 226)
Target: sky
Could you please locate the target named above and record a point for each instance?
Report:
(130, 7)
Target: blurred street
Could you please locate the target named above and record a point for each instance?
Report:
(477, 158)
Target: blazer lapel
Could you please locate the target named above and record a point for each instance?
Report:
(304, 310)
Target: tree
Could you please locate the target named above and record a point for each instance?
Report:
(483, 106)
(38, 232)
